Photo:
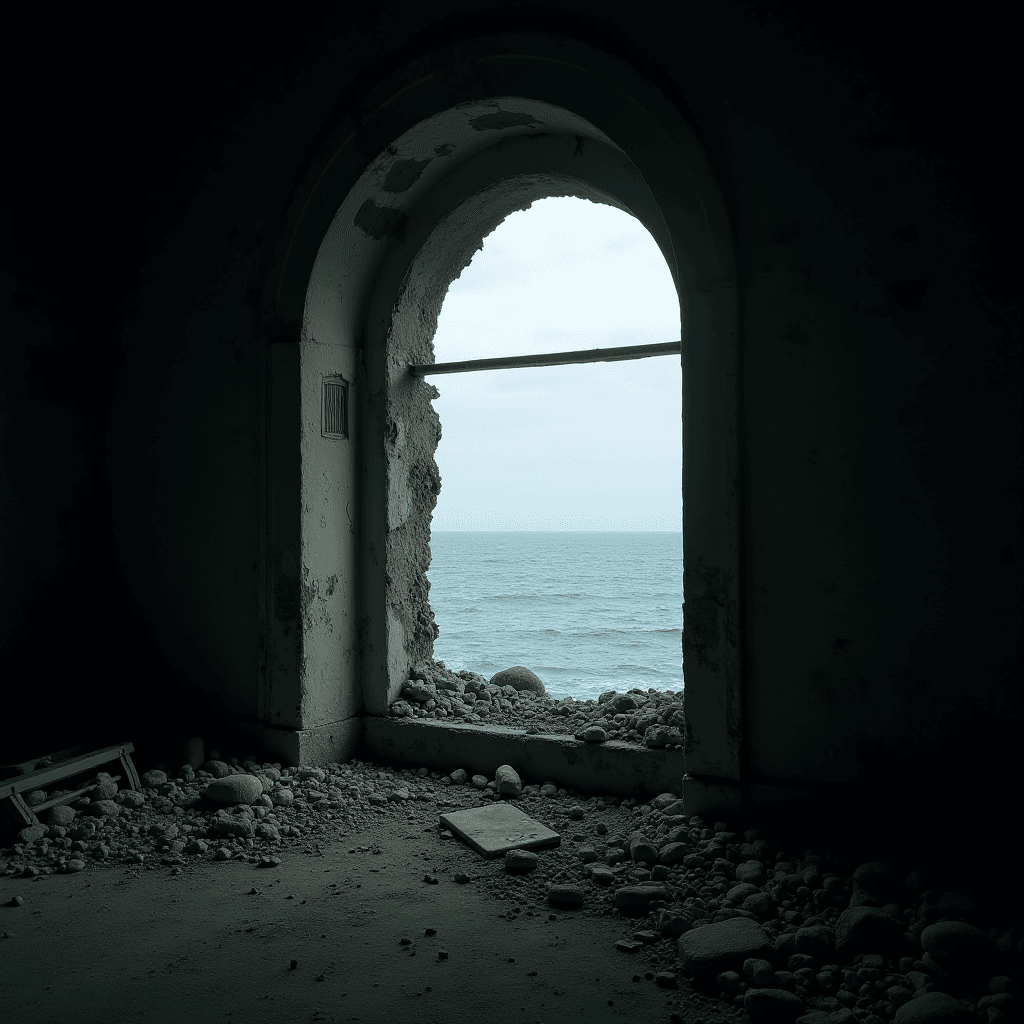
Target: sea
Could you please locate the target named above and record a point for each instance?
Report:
(587, 612)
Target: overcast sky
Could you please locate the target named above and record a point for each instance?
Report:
(590, 447)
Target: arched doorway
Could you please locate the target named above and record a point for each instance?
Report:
(390, 213)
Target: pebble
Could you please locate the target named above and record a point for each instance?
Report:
(638, 897)
(507, 781)
(565, 896)
(594, 734)
(628, 945)
(520, 860)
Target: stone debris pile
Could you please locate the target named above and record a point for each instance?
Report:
(764, 927)
(516, 698)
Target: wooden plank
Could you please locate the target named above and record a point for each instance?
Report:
(42, 777)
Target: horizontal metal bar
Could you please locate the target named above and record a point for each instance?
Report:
(593, 355)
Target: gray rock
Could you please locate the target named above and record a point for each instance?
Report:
(520, 861)
(131, 798)
(751, 871)
(285, 797)
(758, 973)
(31, 833)
(565, 896)
(759, 904)
(193, 751)
(867, 930)
(153, 778)
(623, 704)
(61, 815)
(673, 853)
(933, 1008)
(419, 691)
(643, 851)
(480, 781)
(958, 942)
(773, 1003)
(594, 734)
(105, 788)
(818, 941)
(606, 696)
(663, 800)
(507, 781)
(218, 769)
(103, 809)
(738, 893)
(519, 678)
(722, 947)
(638, 897)
(677, 808)
(238, 825)
(458, 776)
(235, 789)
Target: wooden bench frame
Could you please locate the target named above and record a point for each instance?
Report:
(72, 763)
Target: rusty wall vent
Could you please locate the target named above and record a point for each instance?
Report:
(334, 405)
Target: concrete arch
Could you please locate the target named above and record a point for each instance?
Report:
(389, 213)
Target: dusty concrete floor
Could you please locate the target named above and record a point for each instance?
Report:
(215, 941)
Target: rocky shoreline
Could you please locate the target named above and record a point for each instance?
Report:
(650, 718)
(768, 929)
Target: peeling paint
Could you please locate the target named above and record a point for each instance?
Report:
(404, 174)
(381, 221)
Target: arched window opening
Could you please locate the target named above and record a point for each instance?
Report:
(556, 541)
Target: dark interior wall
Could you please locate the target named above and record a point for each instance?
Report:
(870, 194)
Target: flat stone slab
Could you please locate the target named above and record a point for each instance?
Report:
(494, 830)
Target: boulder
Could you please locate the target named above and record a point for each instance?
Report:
(218, 769)
(519, 678)
(724, 946)
(235, 789)
(153, 778)
(507, 781)
(663, 800)
(594, 734)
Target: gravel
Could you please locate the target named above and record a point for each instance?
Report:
(862, 942)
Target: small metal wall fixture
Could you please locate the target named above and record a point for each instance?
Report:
(334, 408)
